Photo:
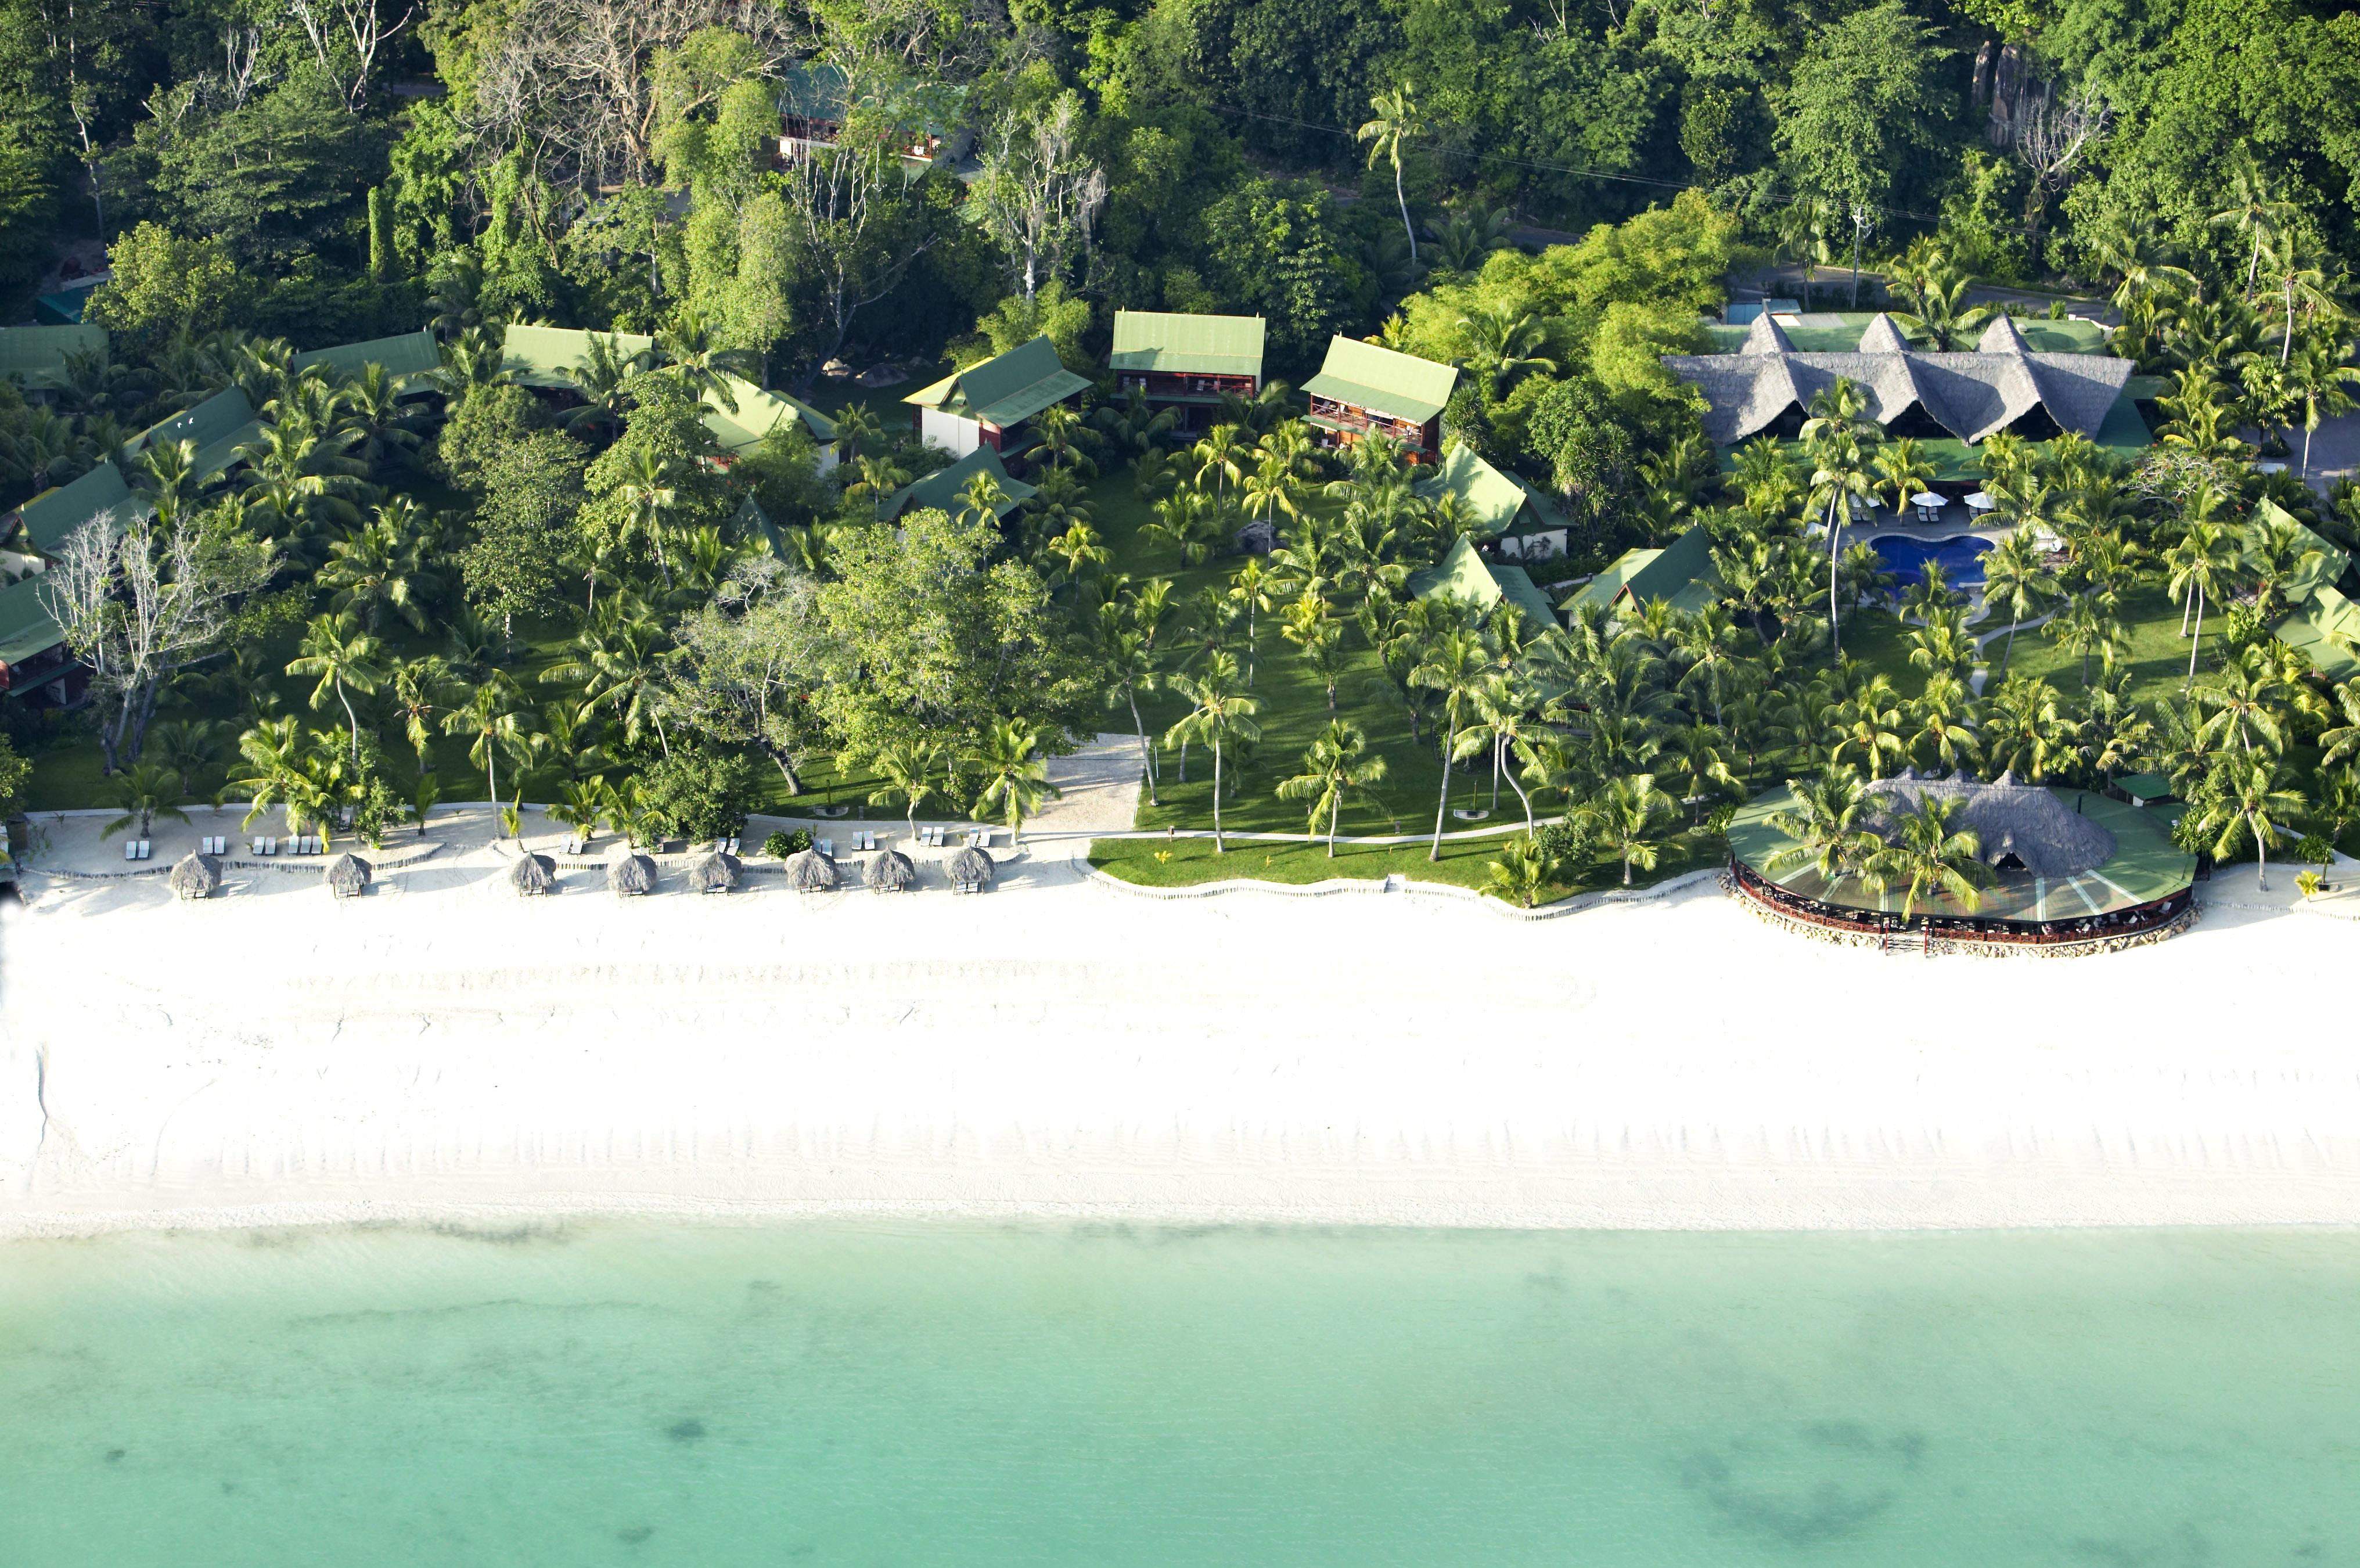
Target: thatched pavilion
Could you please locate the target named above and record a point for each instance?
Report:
(891, 871)
(533, 875)
(971, 869)
(715, 872)
(808, 870)
(347, 875)
(196, 877)
(631, 876)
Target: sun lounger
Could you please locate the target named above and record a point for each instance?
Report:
(147, 847)
(131, 848)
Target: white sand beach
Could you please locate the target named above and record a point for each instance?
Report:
(1060, 1048)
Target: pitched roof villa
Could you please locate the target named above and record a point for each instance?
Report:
(983, 404)
(1365, 389)
(1767, 385)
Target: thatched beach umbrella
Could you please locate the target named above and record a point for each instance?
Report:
(971, 867)
(196, 876)
(808, 870)
(891, 871)
(715, 872)
(631, 876)
(533, 875)
(347, 875)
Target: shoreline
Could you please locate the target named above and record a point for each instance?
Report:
(1062, 1051)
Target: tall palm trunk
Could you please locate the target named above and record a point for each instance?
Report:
(356, 721)
(2192, 647)
(1835, 632)
(1334, 810)
(491, 778)
(1219, 846)
(1443, 804)
(1403, 197)
(1147, 753)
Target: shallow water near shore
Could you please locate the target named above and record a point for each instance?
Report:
(635, 1392)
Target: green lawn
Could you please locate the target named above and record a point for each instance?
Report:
(1185, 862)
(2158, 657)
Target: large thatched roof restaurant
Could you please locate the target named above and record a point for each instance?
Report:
(2063, 869)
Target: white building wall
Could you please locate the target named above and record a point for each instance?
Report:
(954, 436)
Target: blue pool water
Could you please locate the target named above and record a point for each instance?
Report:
(1960, 555)
(683, 1395)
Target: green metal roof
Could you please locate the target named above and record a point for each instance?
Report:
(548, 356)
(1837, 331)
(27, 627)
(1187, 345)
(405, 356)
(1500, 503)
(1368, 376)
(1607, 586)
(759, 412)
(2145, 786)
(940, 489)
(219, 425)
(1681, 572)
(36, 355)
(56, 512)
(1006, 389)
(1465, 575)
(2323, 571)
(2326, 630)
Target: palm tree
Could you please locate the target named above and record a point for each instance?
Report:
(345, 659)
(145, 791)
(1933, 858)
(913, 772)
(2016, 579)
(2341, 743)
(2256, 208)
(1839, 472)
(1217, 710)
(419, 688)
(1627, 814)
(2252, 802)
(2245, 705)
(648, 492)
(1828, 826)
(1127, 664)
(491, 721)
(2023, 731)
(1944, 714)
(1221, 455)
(1062, 433)
(2319, 375)
(1013, 776)
(1253, 587)
(2203, 565)
(380, 567)
(1507, 341)
(1869, 722)
(603, 379)
(1522, 872)
(856, 425)
(278, 772)
(1338, 768)
(690, 356)
(1312, 627)
(1455, 665)
(619, 667)
(1903, 470)
(1395, 120)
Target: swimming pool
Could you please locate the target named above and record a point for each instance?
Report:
(1960, 555)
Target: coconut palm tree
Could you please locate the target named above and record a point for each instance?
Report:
(1254, 586)
(1338, 768)
(1932, 858)
(1944, 714)
(1219, 710)
(2256, 210)
(2204, 566)
(1522, 872)
(1455, 664)
(493, 723)
(1221, 456)
(2245, 705)
(145, 791)
(913, 769)
(603, 378)
(619, 667)
(690, 356)
(648, 497)
(345, 659)
(1868, 724)
(1628, 815)
(1063, 431)
(2318, 375)
(1128, 666)
(2016, 580)
(1508, 341)
(1828, 826)
(1394, 119)
(380, 567)
(1013, 778)
(418, 690)
(277, 757)
(2341, 743)
(2252, 801)
(2023, 729)
(1192, 521)
(1839, 474)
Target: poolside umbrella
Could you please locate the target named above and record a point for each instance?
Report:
(196, 876)
(891, 871)
(715, 872)
(808, 870)
(347, 875)
(533, 874)
(631, 876)
(971, 867)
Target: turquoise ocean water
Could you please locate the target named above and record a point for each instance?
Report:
(637, 1393)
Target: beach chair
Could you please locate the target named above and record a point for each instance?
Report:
(131, 848)
(827, 847)
(147, 847)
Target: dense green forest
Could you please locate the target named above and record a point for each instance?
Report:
(578, 601)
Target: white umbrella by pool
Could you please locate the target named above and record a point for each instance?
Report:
(1929, 504)
(1981, 502)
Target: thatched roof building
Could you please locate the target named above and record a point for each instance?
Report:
(891, 871)
(196, 876)
(347, 875)
(715, 872)
(808, 870)
(631, 876)
(971, 867)
(1768, 384)
(533, 875)
(2021, 827)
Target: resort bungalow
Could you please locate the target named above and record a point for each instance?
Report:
(1503, 507)
(547, 359)
(218, 427)
(941, 489)
(1681, 572)
(2325, 625)
(410, 360)
(815, 101)
(759, 413)
(1465, 575)
(35, 664)
(987, 404)
(1186, 362)
(1364, 389)
(34, 357)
